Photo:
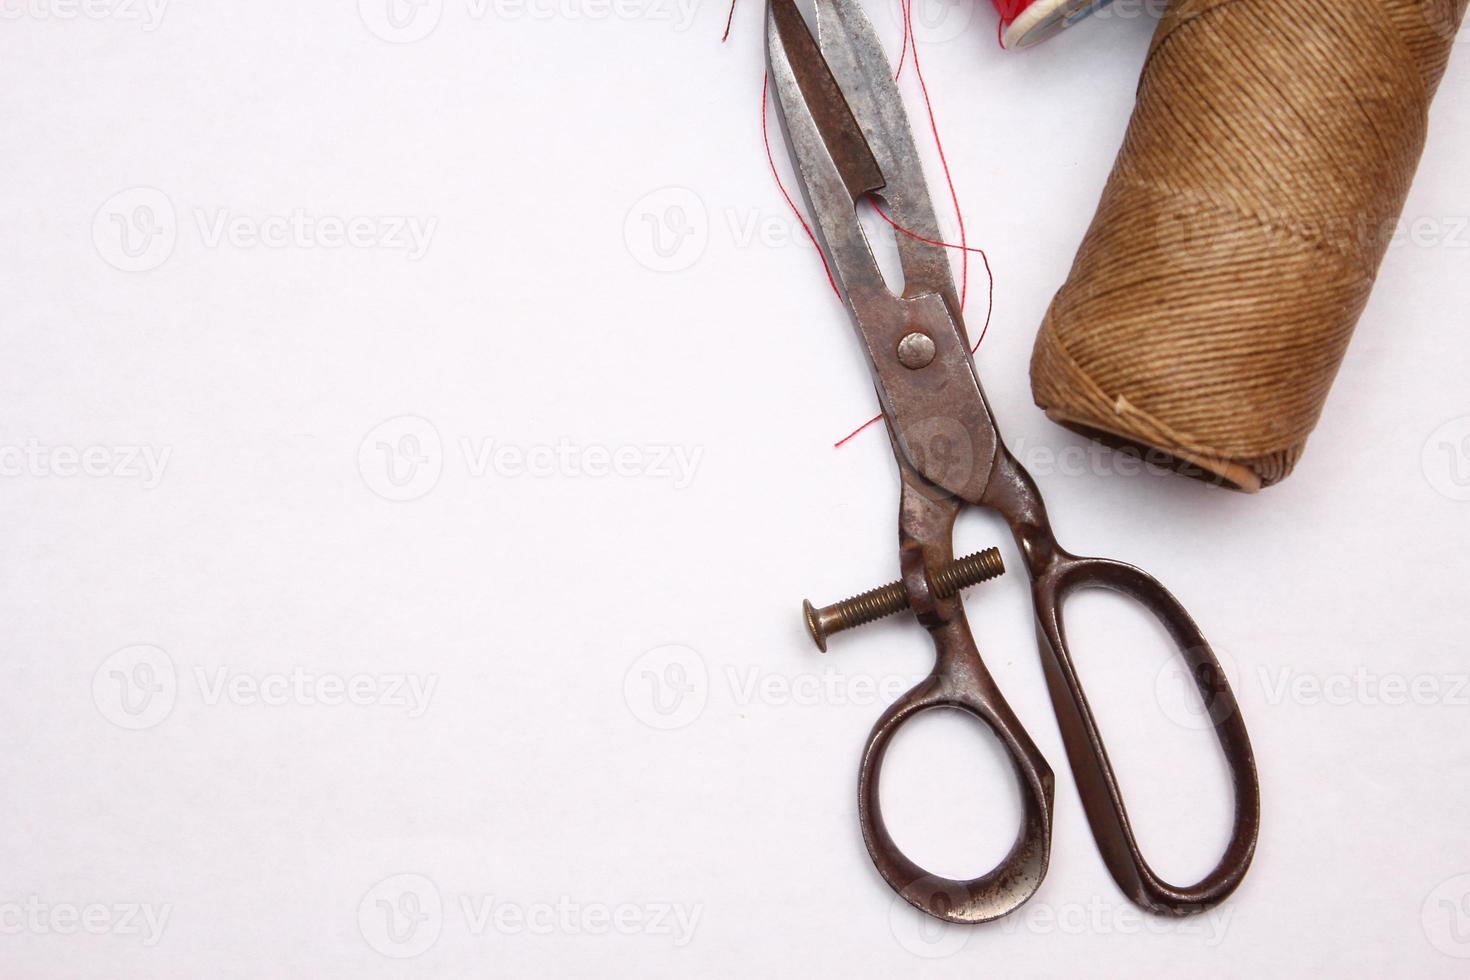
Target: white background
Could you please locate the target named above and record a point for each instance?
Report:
(622, 721)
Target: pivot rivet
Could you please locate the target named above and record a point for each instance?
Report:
(916, 350)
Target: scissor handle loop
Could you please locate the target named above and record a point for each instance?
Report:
(960, 681)
(1096, 782)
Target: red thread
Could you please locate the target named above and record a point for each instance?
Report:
(840, 442)
(930, 241)
(909, 42)
(908, 38)
(729, 19)
(771, 160)
(908, 20)
(1009, 10)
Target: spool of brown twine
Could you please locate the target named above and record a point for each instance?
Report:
(1266, 164)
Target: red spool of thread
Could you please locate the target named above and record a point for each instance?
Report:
(1025, 22)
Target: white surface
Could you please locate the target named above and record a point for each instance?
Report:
(535, 153)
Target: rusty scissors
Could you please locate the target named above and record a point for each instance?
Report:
(850, 138)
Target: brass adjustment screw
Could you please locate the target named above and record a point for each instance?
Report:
(946, 581)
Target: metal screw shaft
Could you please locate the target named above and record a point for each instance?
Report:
(946, 581)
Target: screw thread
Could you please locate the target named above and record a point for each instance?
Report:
(875, 604)
(871, 605)
(964, 572)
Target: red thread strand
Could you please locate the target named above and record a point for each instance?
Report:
(843, 441)
(903, 51)
(1009, 10)
(909, 42)
(931, 241)
(908, 15)
(771, 161)
(729, 19)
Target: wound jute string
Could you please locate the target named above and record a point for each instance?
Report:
(1265, 167)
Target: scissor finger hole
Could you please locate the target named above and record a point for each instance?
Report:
(949, 794)
(1159, 734)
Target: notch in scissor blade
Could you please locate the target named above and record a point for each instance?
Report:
(835, 122)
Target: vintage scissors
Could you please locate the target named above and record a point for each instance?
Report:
(850, 137)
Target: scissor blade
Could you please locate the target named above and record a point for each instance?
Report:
(835, 123)
(831, 163)
(846, 126)
(855, 54)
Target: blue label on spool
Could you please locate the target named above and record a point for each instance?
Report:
(1087, 12)
(1064, 13)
